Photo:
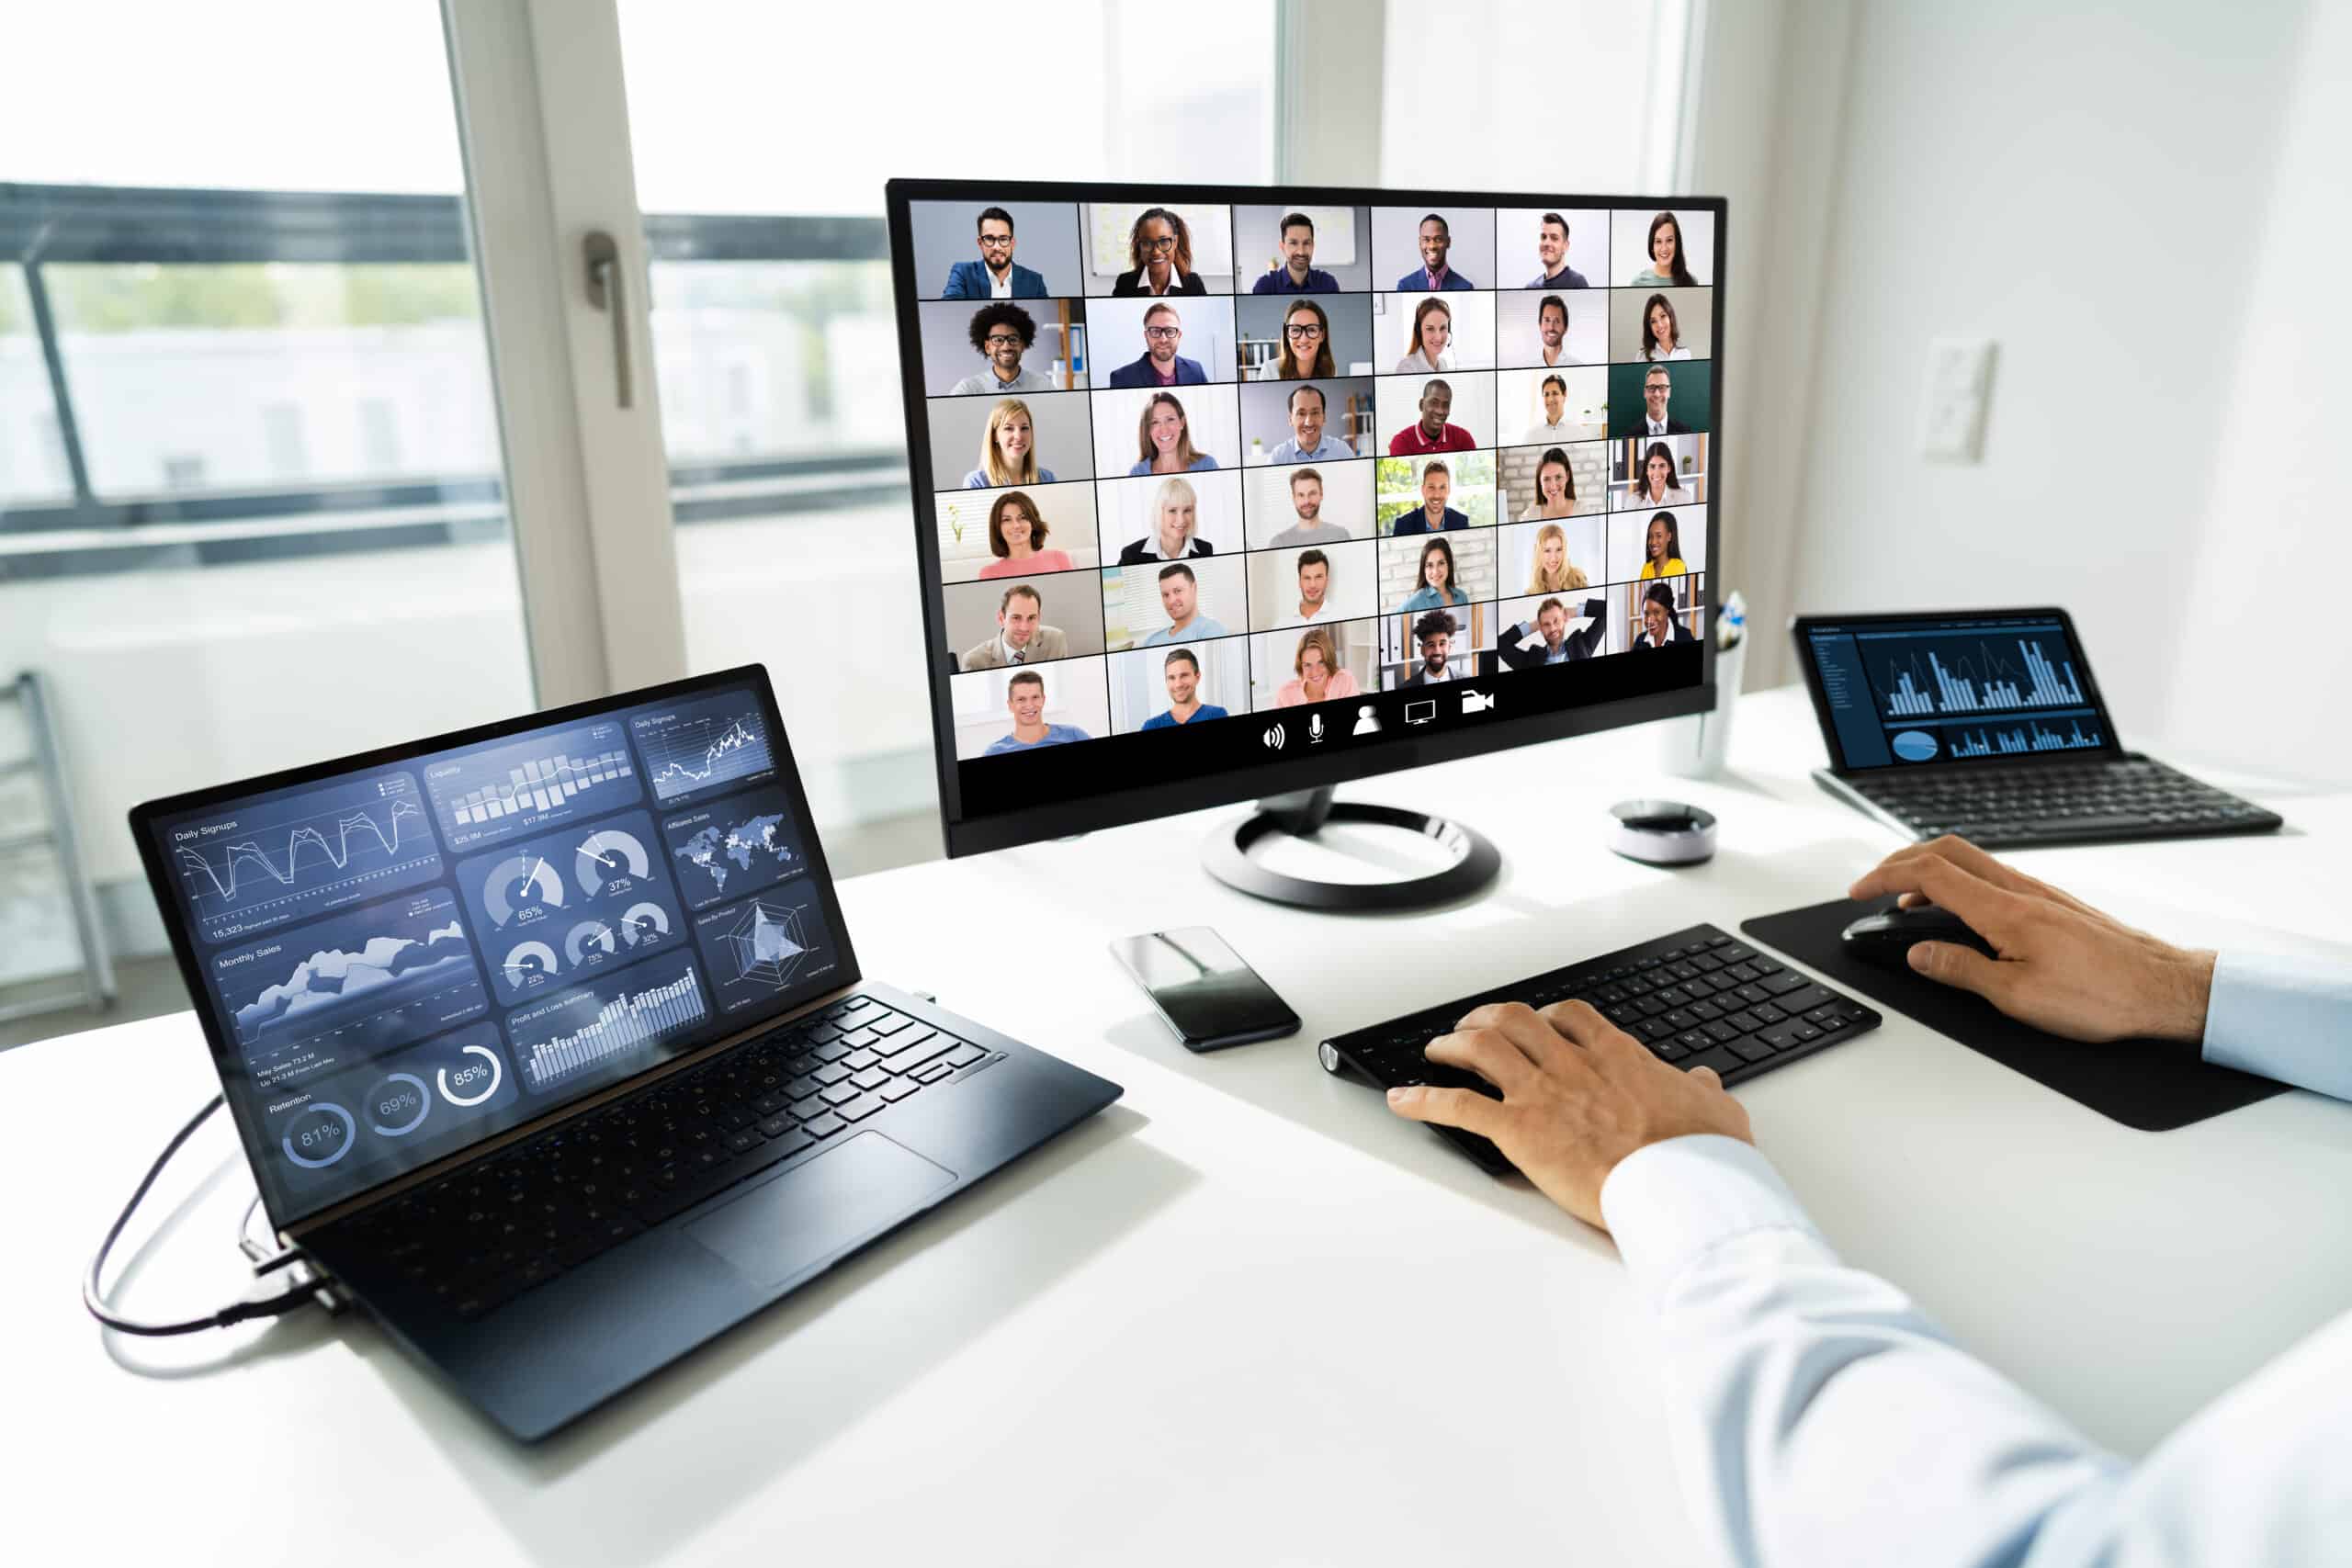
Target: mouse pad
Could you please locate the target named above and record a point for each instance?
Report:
(2152, 1085)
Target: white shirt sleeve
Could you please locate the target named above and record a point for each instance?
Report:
(2282, 1018)
(1819, 1418)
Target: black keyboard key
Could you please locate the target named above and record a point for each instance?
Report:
(1804, 1000)
(918, 1048)
(871, 1078)
(824, 1126)
(1718, 1057)
(858, 1110)
(1783, 982)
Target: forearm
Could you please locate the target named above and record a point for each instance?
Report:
(1818, 1417)
(2284, 1019)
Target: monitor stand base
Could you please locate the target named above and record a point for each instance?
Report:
(1225, 854)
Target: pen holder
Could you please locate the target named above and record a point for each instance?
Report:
(1692, 747)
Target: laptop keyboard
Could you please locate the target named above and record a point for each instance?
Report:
(1698, 998)
(486, 1233)
(2057, 802)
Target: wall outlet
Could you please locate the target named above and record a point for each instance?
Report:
(1951, 411)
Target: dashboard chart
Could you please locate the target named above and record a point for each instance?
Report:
(353, 984)
(555, 775)
(561, 906)
(609, 1027)
(301, 853)
(1948, 674)
(741, 845)
(1935, 690)
(351, 1128)
(755, 951)
(697, 748)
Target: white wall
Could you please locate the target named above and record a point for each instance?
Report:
(2251, 678)
(2091, 188)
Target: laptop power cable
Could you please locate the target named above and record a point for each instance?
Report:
(312, 1286)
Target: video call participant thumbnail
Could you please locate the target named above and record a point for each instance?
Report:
(1308, 442)
(1008, 450)
(1555, 489)
(1669, 265)
(1432, 433)
(1552, 572)
(1661, 331)
(1551, 330)
(1313, 570)
(1180, 593)
(1159, 246)
(1024, 698)
(1435, 240)
(1307, 346)
(1436, 584)
(1430, 348)
(1000, 335)
(1176, 519)
(1552, 250)
(1307, 504)
(996, 276)
(1164, 440)
(1159, 364)
(1297, 273)
(1661, 626)
(1181, 672)
(1549, 641)
(1656, 416)
(1317, 674)
(1433, 634)
(1662, 548)
(1435, 516)
(1656, 484)
(1021, 635)
(1017, 536)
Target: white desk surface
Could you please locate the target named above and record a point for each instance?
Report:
(1244, 1315)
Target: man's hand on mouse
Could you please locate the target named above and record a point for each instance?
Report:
(1580, 1094)
(2064, 966)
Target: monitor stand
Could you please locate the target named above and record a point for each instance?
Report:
(1226, 854)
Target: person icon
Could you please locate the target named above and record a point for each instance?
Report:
(1367, 721)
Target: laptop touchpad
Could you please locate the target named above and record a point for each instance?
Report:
(814, 1210)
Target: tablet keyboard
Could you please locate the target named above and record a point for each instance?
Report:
(1698, 998)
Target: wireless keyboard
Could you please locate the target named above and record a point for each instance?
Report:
(1698, 998)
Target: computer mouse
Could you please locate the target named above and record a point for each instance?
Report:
(1887, 938)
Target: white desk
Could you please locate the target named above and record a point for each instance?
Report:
(1243, 1316)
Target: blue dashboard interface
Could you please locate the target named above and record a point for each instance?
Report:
(406, 958)
(1961, 688)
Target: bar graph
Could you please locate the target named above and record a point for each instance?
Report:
(627, 1020)
(536, 782)
(2035, 681)
(2026, 738)
(543, 782)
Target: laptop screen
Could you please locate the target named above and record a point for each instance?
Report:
(400, 954)
(1902, 691)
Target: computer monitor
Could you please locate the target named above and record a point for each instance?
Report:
(1230, 492)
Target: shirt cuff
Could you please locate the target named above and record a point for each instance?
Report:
(1670, 1204)
(2285, 1019)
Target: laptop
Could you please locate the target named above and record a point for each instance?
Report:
(1987, 724)
(547, 1042)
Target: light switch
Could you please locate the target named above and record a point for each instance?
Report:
(1951, 412)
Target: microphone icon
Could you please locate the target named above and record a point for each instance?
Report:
(1315, 727)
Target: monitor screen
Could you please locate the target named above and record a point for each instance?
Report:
(1224, 492)
(1901, 691)
(400, 954)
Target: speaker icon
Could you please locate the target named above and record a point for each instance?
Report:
(1275, 736)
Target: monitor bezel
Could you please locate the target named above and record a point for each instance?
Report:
(1800, 629)
(144, 815)
(1114, 808)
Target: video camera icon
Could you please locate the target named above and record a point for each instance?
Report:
(1478, 702)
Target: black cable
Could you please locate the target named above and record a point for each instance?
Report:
(94, 1296)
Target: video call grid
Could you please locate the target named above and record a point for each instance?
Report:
(1613, 579)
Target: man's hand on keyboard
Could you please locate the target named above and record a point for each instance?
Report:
(2064, 966)
(1580, 1094)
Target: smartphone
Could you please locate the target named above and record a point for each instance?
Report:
(1203, 990)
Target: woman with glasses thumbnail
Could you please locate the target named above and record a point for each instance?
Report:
(1008, 450)
(1555, 489)
(1668, 265)
(1552, 571)
(1661, 331)
(1160, 246)
(1176, 519)
(1316, 669)
(1655, 482)
(1437, 589)
(1164, 440)
(1305, 347)
(1432, 349)
(1662, 549)
(1017, 538)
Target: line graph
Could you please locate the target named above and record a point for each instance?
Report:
(1965, 674)
(698, 747)
(261, 864)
